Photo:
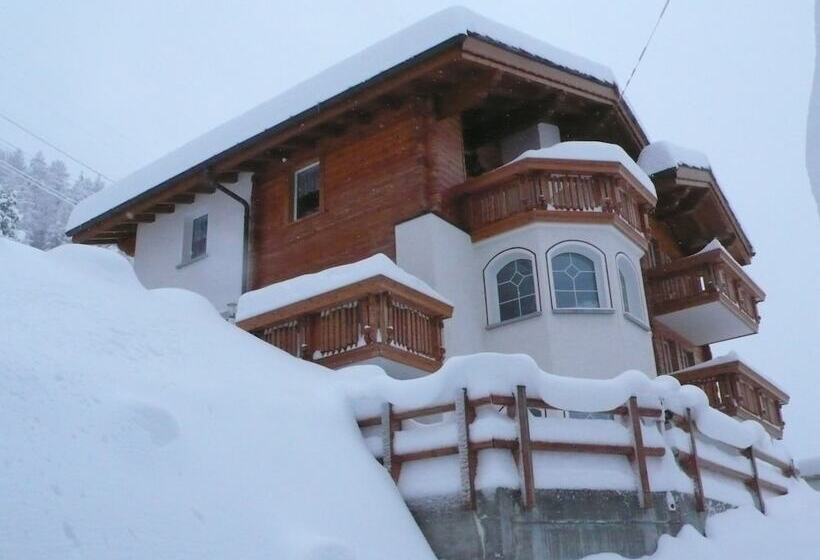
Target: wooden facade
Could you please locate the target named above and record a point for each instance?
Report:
(738, 390)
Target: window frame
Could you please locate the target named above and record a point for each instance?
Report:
(188, 239)
(599, 262)
(490, 272)
(294, 214)
(635, 311)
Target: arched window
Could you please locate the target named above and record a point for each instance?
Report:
(578, 275)
(511, 286)
(631, 293)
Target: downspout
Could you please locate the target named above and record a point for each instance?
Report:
(246, 225)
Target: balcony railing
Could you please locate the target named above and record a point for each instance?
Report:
(737, 390)
(705, 297)
(534, 190)
(374, 318)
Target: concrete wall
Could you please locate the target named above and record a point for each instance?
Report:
(158, 258)
(563, 525)
(598, 345)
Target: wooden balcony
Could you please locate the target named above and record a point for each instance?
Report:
(548, 190)
(705, 298)
(375, 321)
(737, 390)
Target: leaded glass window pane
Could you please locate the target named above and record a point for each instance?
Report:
(575, 280)
(516, 290)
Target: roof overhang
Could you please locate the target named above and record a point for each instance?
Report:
(423, 74)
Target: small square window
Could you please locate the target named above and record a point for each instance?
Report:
(199, 236)
(306, 188)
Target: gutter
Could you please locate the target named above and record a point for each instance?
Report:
(246, 225)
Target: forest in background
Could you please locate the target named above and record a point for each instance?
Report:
(36, 197)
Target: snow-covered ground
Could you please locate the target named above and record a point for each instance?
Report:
(789, 531)
(139, 424)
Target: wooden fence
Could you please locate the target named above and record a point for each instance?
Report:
(524, 445)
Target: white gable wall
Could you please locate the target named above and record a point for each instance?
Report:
(597, 345)
(158, 257)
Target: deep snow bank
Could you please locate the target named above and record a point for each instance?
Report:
(138, 424)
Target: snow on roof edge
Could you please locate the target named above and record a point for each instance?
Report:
(385, 55)
(276, 296)
(662, 155)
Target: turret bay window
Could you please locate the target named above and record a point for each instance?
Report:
(511, 286)
(306, 191)
(632, 299)
(577, 277)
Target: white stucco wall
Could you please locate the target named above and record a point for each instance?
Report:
(158, 255)
(595, 345)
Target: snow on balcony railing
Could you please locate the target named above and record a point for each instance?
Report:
(532, 430)
(582, 181)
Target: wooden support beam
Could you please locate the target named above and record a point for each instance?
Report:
(754, 482)
(103, 241)
(639, 458)
(162, 209)
(466, 454)
(227, 177)
(202, 188)
(524, 448)
(185, 198)
(700, 498)
(388, 438)
(145, 218)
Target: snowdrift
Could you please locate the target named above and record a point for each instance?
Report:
(139, 424)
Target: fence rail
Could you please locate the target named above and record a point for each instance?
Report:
(517, 407)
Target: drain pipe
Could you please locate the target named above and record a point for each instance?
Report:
(246, 225)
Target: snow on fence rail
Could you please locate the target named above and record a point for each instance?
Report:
(641, 428)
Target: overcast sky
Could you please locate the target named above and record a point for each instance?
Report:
(118, 84)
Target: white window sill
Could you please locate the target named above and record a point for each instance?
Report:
(637, 321)
(511, 321)
(192, 261)
(583, 310)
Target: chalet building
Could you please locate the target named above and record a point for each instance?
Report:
(457, 187)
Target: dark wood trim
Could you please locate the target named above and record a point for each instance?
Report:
(376, 284)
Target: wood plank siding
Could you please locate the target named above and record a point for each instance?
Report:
(373, 177)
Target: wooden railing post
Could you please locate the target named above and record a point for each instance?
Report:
(524, 448)
(639, 454)
(700, 499)
(466, 453)
(754, 483)
(388, 437)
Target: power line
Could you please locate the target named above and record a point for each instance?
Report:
(35, 183)
(643, 52)
(47, 143)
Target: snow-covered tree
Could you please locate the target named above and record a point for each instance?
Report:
(9, 214)
(42, 214)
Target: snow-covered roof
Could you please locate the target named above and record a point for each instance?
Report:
(592, 151)
(663, 155)
(280, 294)
(382, 56)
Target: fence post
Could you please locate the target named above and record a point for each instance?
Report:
(700, 499)
(466, 454)
(754, 483)
(388, 435)
(639, 454)
(524, 448)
